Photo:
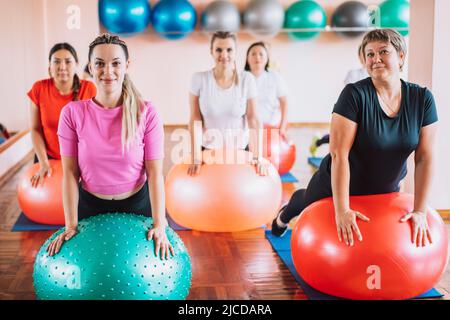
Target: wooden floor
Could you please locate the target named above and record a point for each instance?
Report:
(238, 265)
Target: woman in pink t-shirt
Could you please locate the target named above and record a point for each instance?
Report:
(114, 145)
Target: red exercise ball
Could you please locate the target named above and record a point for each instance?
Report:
(385, 265)
(281, 153)
(222, 197)
(43, 204)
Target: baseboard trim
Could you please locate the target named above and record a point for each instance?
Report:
(444, 213)
(321, 125)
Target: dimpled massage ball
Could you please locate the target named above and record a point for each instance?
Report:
(111, 258)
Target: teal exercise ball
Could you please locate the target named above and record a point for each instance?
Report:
(110, 258)
(395, 14)
(305, 14)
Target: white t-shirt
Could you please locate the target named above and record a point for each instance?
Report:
(356, 75)
(270, 88)
(223, 110)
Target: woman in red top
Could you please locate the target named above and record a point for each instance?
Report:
(48, 97)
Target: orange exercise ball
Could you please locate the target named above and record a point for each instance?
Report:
(280, 152)
(42, 204)
(385, 265)
(224, 196)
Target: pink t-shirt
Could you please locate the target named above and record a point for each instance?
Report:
(93, 134)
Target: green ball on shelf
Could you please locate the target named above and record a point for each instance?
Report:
(395, 14)
(305, 14)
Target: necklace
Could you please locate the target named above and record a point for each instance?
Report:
(386, 104)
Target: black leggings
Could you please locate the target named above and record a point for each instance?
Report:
(36, 160)
(318, 188)
(323, 140)
(89, 205)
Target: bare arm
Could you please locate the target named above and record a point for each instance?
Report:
(71, 175)
(256, 133)
(423, 172)
(256, 139)
(37, 135)
(423, 167)
(70, 203)
(37, 138)
(284, 117)
(195, 129)
(154, 169)
(342, 136)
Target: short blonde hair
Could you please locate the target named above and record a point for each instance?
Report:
(385, 35)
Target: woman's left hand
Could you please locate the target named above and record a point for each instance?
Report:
(262, 166)
(158, 234)
(421, 231)
(283, 133)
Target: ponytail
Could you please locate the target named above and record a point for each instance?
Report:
(76, 87)
(131, 112)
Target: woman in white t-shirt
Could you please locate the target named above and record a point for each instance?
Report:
(223, 107)
(272, 92)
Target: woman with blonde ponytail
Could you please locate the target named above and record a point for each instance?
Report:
(114, 145)
(222, 103)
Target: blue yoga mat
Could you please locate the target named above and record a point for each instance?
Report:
(288, 177)
(315, 161)
(25, 224)
(282, 246)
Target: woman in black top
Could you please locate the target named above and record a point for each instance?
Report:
(376, 124)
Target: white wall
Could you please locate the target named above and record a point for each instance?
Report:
(440, 192)
(314, 70)
(23, 57)
(430, 67)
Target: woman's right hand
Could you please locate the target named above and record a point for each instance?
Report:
(346, 225)
(54, 246)
(45, 170)
(194, 169)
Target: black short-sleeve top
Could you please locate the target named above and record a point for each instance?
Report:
(382, 144)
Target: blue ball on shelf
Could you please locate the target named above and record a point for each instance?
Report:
(124, 17)
(174, 19)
